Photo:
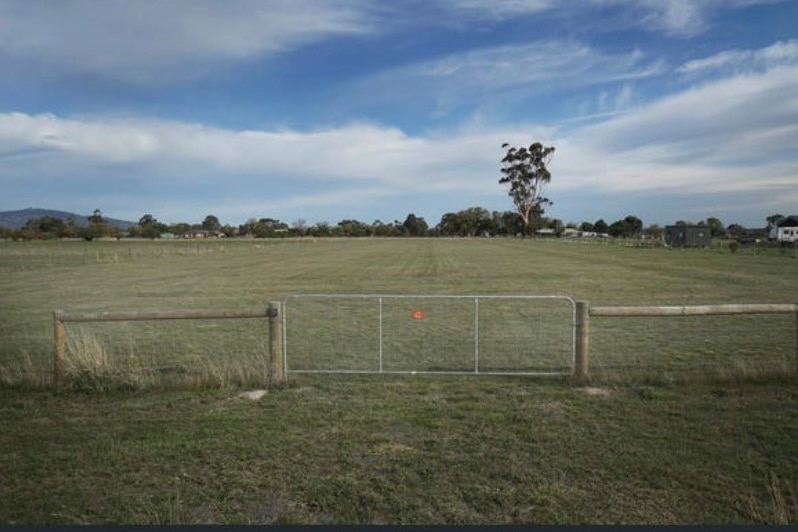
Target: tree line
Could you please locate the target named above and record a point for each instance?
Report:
(523, 170)
(469, 222)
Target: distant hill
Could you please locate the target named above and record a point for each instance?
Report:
(17, 219)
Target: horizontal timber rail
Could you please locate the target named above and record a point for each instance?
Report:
(162, 315)
(272, 313)
(696, 310)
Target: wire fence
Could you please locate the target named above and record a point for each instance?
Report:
(343, 333)
(691, 346)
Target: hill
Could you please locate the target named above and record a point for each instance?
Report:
(17, 219)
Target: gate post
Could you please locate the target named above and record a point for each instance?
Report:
(276, 369)
(582, 333)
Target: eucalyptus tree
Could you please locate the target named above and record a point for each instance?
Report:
(526, 170)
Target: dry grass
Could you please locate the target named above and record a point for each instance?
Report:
(783, 504)
(90, 367)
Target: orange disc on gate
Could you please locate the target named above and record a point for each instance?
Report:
(418, 314)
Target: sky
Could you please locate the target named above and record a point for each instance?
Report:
(325, 110)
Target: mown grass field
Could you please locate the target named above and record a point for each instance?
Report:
(685, 421)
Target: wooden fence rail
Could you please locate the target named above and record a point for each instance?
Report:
(585, 312)
(272, 313)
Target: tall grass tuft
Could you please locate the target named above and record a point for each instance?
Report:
(782, 507)
(90, 367)
(25, 374)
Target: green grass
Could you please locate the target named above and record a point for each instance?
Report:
(687, 421)
(402, 450)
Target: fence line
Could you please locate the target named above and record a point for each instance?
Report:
(272, 313)
(585, 311)
(275, 313)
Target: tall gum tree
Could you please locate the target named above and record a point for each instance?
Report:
(526, 171)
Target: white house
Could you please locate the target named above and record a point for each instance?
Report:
(786, 230)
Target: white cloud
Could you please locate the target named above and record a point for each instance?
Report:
(779, 53)
(678, 18)
(156, 42)
(506, 73)
(498, 9)
(730, 136)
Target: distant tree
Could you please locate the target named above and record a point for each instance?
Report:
(211, 223)
(299, 227)
(96, 217)
(716, 228)
(51, 226)
(415, 226)
(228, 230)
(264, 228)
(380, 228)
(149, 227)
(526, 171)
(600, 226)
(44, 228)
(618, 228)
(630, 226)
(321, 229)
(587, 227)
(510, 223)
(774, 219)
(354, 228)
(468, 222)
(97, 227)
(71, 229)
(180, 228)
(634, 224)
(735, 230)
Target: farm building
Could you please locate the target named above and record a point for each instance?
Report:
(686, 236)
(785, 231)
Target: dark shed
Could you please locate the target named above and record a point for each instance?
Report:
(687, 236)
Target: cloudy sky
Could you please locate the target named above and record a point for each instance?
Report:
(369, 109)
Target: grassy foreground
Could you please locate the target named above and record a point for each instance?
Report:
(681, 423)
(404, 450)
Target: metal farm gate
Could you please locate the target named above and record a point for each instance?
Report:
(424, 334)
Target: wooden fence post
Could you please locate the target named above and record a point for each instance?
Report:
(581, 348)
(276, 369)
(60, 348)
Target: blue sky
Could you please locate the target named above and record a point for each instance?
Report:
(323, 110)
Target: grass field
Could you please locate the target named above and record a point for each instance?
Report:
(686, 420)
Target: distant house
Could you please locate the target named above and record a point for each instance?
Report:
(201, 233)
(785, 231)
(687, 236)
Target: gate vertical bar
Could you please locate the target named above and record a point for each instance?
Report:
(476, 335)
(380, 333)
(582, 329)
(285, 338)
